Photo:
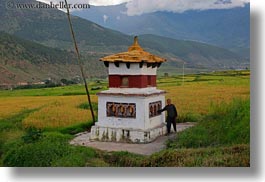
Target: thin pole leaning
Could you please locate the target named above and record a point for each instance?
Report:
(183, 73)
(79, 61)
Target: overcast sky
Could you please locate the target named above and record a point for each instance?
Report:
(138, 7)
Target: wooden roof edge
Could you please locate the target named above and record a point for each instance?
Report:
(132, 61)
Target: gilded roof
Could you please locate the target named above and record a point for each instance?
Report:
(135, 54)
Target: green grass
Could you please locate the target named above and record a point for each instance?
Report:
(220, 138)
(233, 78)
(72, 130)
(51, 150)
(14, 122)
(226, 124)
(215, 78)
(86, 106)
(55, 91)
(11, 129)
(232, 156)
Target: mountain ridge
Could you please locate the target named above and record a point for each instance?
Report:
(228, 28)
(50, 29)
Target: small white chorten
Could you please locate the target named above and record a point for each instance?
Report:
(127, 112)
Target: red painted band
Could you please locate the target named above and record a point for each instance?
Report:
(132, 81)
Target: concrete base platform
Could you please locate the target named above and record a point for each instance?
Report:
(83, 139)
(128, 135)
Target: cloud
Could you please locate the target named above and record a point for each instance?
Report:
(106, 2)
(91, 2)
(138, 7)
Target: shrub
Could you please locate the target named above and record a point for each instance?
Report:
(85, 105)
(38, 154)
(51, 150)
(32, 135)
(226, 124)
(233, 156)
(188, 117)
(72, 130)
(125, 159)
(78, 156)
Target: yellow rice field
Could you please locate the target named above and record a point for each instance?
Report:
(10, 106)
(63, 111)
(54, 111)
(198, 98)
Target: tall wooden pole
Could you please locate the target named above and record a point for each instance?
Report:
(79, 61)
(183, 73)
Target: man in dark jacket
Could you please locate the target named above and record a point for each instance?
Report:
(171, 115)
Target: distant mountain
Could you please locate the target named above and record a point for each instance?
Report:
(51, 44)
(227, 28)
(50, 27)
(193, 54)
(25, 61)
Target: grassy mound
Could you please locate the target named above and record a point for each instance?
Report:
(233, 156)
(227, 124)
(51, 150)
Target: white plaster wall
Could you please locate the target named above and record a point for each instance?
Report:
(114, 122)
(142, 120)
(157, 120)
(133, 70)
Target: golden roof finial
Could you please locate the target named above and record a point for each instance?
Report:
(135, 45)
(135, 54)
(135, 41)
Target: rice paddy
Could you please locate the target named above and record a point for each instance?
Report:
(37, 124)
(54, 110)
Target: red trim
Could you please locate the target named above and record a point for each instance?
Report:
(153, 81)
(135, 81)
(114, 81)
(131, 95)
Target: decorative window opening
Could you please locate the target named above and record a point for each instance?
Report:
(124, 81)
(121, 110)
(154, 107)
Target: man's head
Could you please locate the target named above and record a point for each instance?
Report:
(168, 101)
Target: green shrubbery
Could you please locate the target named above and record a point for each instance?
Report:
(14, 122)
(219, 139)
(238, 155)
(85, 105)
(32, 135)
(72, 130)
(188, 117)
(123, 159)
(226, 124)
(51, 150)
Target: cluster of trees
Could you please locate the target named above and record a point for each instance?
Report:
(49, 83)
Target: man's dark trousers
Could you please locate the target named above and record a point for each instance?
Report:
(171, 120)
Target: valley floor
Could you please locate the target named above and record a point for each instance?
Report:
(36, 125)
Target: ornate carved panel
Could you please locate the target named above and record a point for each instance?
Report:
(154, 107)
(121, 110)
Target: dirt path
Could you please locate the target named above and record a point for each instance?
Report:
(144, 149)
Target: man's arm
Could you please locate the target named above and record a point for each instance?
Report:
(161, 110)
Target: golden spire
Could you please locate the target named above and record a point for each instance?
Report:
(135, 54)
(135, 45)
